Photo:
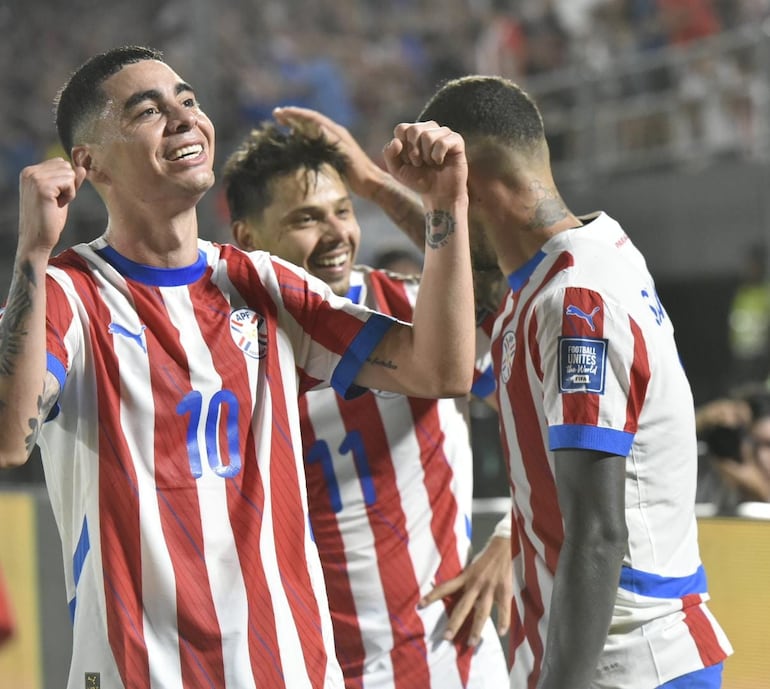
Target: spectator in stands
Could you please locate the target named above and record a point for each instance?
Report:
(736, 433)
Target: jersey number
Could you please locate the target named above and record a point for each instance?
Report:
(223, 401)
(354, 443)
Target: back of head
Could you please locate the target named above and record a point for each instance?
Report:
(82, 96)
(488, 108)
(267, 153)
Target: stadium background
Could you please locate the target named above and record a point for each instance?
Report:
(657, 112)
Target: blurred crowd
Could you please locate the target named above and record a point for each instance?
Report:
(365, 63)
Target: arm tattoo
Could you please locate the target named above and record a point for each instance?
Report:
(45, 403)
(439, 225)
(381, 362)
(12, 323)
(548, 208)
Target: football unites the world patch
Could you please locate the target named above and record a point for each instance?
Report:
(249, 332)
(582, 363)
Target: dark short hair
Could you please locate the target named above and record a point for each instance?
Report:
(478, 106)
(269, 152)
(82, 96)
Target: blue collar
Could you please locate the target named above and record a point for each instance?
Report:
(150, 275)
(354, 293)
(519, 277)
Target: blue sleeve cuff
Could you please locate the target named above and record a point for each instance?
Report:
(60, 373)
(357, 353)
(485, 384)
(590, 438)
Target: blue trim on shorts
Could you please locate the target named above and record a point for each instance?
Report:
(656, 586)
(583, 437)
(357, 353)
(706, 678)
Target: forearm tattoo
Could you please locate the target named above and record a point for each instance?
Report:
(548, 209)
(44, 404)
(439, 225)
(13, 321)
(381, 362)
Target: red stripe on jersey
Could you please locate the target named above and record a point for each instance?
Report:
(701, 630)
(331, 549)
(332, 328)
(118, 499)
(639, 379)
(583, 316)
(200, 643)
(288, 511)
(58, 318)
(245, 491)
(388, 524)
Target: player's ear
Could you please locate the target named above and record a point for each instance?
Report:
(245, 236)
(81, 156)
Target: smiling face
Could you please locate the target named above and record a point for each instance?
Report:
(310, 222)
(152, 143)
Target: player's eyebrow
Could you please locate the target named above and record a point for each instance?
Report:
(153, 94)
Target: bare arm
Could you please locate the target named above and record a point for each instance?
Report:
(27, 390)
(435, 357)
(591, 488)
(366, 179)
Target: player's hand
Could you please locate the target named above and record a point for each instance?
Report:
(485, 582)
(45, 191)
(430, 160)
(361, 169)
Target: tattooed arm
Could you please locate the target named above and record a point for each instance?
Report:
(27, 390)
(365, 178)
(434, 357)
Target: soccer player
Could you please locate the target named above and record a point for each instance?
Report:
(597, 423)
(389, 477)
(160, 372)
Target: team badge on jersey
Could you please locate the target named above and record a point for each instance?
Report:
(509, 349)
(582, 362)
(249, 331)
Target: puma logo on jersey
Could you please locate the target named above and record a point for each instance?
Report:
(117, 329)
(573, 310)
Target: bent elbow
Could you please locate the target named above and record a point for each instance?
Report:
(12, 460)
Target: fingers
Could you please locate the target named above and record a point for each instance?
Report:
(443, 590)
(426, 143)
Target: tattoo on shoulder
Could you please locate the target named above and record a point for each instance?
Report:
(12, 321)
(439, 226)
(381, 362)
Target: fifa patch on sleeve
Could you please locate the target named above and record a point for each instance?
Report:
(582, 362)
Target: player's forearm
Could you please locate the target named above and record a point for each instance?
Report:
(23, 359)
(582, 602)
(400, 204)
(444, 315)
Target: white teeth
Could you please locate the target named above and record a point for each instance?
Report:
(332, 262)
(186, 151)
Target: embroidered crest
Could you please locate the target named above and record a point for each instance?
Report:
(581, 364)
(249, 331)
(92, 680)
(509, 350)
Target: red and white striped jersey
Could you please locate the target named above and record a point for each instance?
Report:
(174, 465)
(390, 484)
(586, 358)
